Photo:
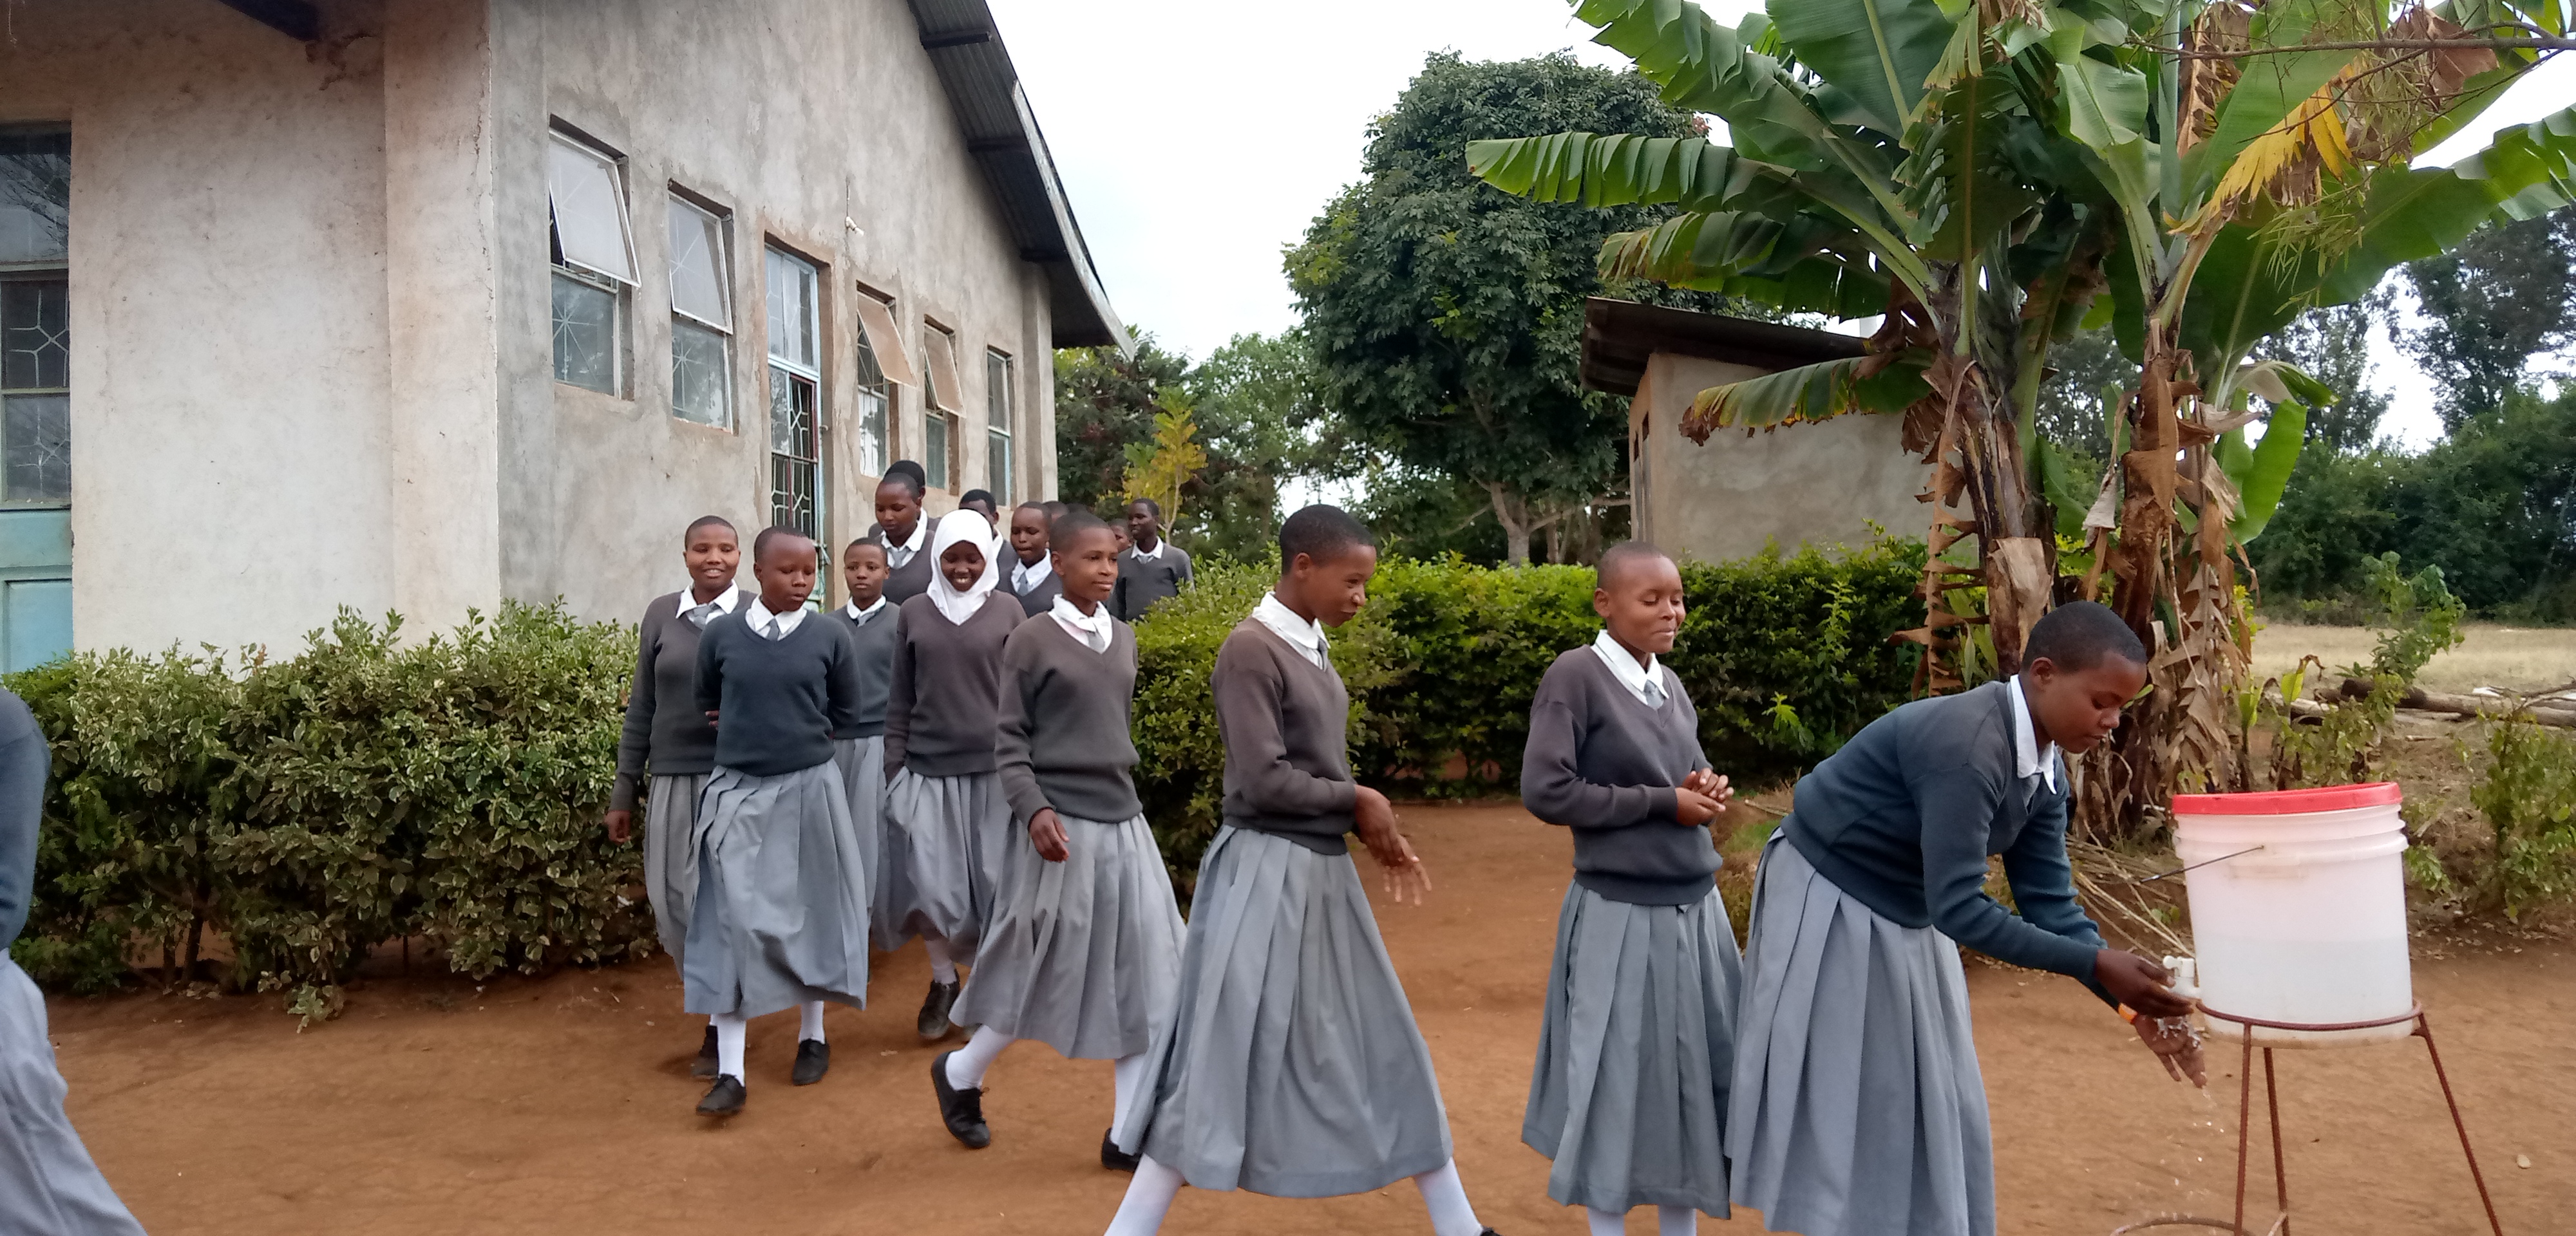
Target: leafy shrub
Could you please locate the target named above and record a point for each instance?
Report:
(2529, 799)
(1785, 657)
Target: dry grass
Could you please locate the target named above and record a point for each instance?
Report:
(2506, 658)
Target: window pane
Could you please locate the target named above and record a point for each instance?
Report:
(35, 197)
(793, 459)
(997, 390)
(792, 299)
(942, 350)
(875, 396)
(35, 335)
(699, 375)
(997, 465)
(697, 266)
(36, 449)
(585, 335)
(590, 210)
(934, 448)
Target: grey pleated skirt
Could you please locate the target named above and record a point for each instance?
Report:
(671, 857)
(1292, 1065)
(782, 907)
(861, 763)
(1085, 955)
(1858, 1108)
(954, 834)
(1635, 1055)
(48, 1183)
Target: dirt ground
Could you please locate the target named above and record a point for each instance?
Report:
(564, 1105)
(2506, 658)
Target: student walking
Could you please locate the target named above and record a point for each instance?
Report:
(945, 812)
(1086, 951)
(1858, 1108)
(903, 530)
(781, 919)
(666, 733)
(1292, 1065)
(48, 1183)
(1637, 1048)
(858, 750)
(1033, 575)
(1152, 568)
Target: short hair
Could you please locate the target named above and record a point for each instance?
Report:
(1073, 523)
(1322, 533)
(1149, 504)
(857, 545)
(1618, 558)
(908, 474)
(1039, 507)
(760, 544)
(707, 521)
(1054, 508)
(2077, 635)
(984, 496)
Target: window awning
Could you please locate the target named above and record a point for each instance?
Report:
(876, 318)
(942, 347)
(697, 266)
(590, 211)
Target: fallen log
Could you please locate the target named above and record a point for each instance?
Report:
(2546, 713)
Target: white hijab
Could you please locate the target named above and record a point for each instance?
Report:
(968, 528)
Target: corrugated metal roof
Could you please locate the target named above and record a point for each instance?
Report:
(1619, 336)
(965, 48)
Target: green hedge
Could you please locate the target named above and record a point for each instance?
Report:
(1784, 656)
(313, 808)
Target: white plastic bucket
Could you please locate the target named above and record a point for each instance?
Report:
(2299, 914)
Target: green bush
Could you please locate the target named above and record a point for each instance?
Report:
(311, 809)
(1785, 657)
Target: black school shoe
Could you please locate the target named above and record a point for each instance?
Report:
(961, 1110)
(704, 1069)
(724, 1098)
(813, 1060)
(1113, 1158)
(934, 1024)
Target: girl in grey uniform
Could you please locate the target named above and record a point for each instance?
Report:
(904, 531)
(781, 919)
(1637, 1049)
(945, 814)
(1292, 1065)
(1086, 951)
(858, 751)
(666, 733)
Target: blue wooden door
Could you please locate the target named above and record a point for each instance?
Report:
(35, 586)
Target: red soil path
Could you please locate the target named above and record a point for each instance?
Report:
(564, 1105)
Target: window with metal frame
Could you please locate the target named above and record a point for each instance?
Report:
(939, 411)
(998, 426)
(701, 315)
(593, 247)
(795, 394)
(875, 398)
(35, 318)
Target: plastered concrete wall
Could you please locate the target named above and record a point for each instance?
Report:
(230, 442)
(821, 126)
(1805, 484)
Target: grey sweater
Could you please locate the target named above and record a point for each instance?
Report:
(1040, 599)
(1604, 765)
(1904, 815)
(872, 645)
(1286, 728)
(1065, 713)
(780, 699)
(1143, 581)
(944, 706)
(25, 761)
(912, 578)
(665, 732)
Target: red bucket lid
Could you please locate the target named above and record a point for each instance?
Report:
(2291, 802)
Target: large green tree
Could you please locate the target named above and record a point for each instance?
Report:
(2506, 294)
(1447, 317)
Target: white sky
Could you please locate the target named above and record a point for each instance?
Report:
(1198, 138)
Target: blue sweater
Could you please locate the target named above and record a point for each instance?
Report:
(1903, 817)
(24, 762)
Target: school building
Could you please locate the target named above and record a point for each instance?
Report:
(416, 305)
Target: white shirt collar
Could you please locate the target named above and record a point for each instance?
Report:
(1092, 629)
(1646, 681)
(1150, 555)
(723, 604)
(910, 545)
(2029, 758)
(1307, 637)
(861, 616)
(1025, 576)
(772, 626)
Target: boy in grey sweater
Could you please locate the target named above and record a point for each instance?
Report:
(1292, 1065)
(1637, 1047)
(1085, 952)
(1151, 568)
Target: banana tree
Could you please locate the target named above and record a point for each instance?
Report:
(1986, 175)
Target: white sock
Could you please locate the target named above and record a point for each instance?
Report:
(966, 1065)
(1149, 1196)
(1446, 1198)
(942, 970)
(809, 1022)
(1676, 1221)
(1130, 1074)
(729, 1036)
(1604, 1223)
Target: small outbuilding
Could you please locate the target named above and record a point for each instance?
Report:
(1818, 484)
